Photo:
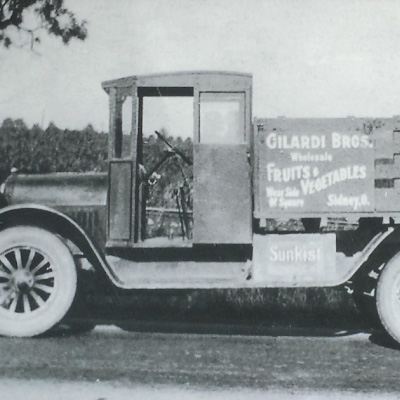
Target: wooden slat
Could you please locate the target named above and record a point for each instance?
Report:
(120, 200)
(387, 199)
(385, 148)
(388, 168)
(385, 171)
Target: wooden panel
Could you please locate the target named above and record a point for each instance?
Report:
(222, 194)
(112, 106)
(390, 170)
(294, 258)
(201, 80)
(376, 128)
(384, 169)
(115, 124)
(388, 199)
(385, 147)
(120, 194)
(315, 166)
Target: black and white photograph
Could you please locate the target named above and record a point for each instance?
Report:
(199, 199)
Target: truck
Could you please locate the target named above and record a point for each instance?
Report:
(262, 203)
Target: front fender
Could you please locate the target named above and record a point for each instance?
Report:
(57, 223)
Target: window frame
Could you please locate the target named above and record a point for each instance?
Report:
(223, 96)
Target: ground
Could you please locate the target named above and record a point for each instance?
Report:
(216, 361)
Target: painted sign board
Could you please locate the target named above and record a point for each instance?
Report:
(310, 167)
(294, 258)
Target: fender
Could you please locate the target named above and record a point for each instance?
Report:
(377, 253)
(58, 223)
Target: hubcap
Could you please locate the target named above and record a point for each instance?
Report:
(26, 280)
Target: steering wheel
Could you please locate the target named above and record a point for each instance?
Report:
(178, 152)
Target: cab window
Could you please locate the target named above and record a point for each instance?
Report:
(222, 118)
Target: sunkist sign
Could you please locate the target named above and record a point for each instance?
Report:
(327, 172)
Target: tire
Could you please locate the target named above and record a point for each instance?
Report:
(388, 298)
(38, 281)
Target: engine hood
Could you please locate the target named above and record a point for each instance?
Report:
(57, 189)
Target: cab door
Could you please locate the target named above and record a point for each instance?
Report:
(222, 202)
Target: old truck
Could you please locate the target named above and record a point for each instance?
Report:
(269, 203)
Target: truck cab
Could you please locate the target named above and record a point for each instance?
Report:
(220, 116)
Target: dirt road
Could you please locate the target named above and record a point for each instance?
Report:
(280, 362)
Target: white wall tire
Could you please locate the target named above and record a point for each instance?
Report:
(388, 298)
(38, 281)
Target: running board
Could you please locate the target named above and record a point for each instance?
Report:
(179, 274)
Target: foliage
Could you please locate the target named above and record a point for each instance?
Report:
(174, 172)
(51, 150)
(47, 15)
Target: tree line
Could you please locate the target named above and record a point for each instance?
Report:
(37, 150)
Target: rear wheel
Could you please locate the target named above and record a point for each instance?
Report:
(38, 281)
(388, 297)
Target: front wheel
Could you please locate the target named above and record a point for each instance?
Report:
(388, 297)
(38, 281)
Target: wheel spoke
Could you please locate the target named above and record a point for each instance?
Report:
(30, 259)
(39, 266)
(5, 296)
(47, 275)
(18, 258)
(27, 306)
(44, 288)
(13, 304)
(4, 275)
(39, 301)
(6, 263)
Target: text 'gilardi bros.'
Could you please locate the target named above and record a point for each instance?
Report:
(328, 172)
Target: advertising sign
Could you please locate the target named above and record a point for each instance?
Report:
(326, 171)
(294, 258)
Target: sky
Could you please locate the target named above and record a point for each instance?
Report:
(308, 58)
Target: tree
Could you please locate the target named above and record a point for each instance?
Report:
(30, 17)
(52, 129)
(89, 130)
(16, 125)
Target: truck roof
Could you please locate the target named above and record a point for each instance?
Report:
(196, 79)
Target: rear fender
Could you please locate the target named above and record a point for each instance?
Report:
(377, 255)
(58, 223)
